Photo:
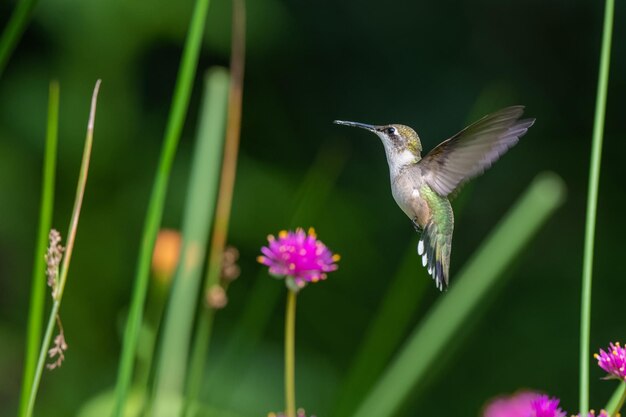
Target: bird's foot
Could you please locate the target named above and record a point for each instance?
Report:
(417, 227)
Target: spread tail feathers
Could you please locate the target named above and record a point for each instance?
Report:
(434, 248)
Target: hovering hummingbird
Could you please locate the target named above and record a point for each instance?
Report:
(421, 186)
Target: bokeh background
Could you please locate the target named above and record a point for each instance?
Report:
(433, 65)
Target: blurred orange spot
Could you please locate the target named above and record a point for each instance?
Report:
(166, 254)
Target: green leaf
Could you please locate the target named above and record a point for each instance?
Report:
(199, 209)
(38, 284)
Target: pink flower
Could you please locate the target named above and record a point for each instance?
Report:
(516, 405)
(524, 404)
(544, 406)
(613, 361)
(299, 257)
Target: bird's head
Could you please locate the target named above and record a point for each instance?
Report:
(396, 138)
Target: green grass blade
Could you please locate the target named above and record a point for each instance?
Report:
(175, 123)
(69, 248)
(14, 29)
(204, 323)
(523, 221)
(199, 209)
(386, 331)
(592, 205)
(38, 284)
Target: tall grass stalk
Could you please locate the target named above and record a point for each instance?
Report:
(592, 205)
(199, 207)
(38, 284)
(69, 247)
(500, 248)
(176, 119)
(14, 29)
(231, 146)
(204, 323)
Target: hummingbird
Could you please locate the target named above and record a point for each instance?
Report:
(422, 186)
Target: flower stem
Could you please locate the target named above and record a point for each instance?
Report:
(617, 400)
(290, 331)
(619, 404)
(592, 205)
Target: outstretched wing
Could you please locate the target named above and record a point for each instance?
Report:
(471, 151)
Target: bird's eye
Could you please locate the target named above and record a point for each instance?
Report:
(391, 130)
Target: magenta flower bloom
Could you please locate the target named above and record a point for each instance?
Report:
(299, 257)
(613, 361)
(544, 406)
(524, 404)
(516, 405)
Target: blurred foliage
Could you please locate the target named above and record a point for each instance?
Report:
(434, 66)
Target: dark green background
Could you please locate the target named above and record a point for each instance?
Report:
(433, 65)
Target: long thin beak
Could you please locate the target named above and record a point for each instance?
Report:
(371, 128)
